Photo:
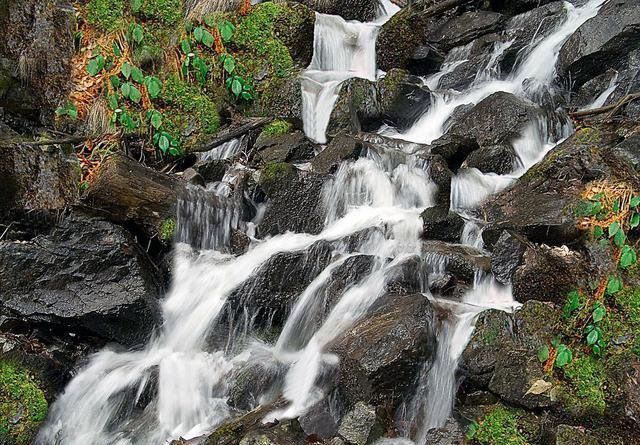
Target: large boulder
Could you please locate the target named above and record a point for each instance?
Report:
(283, 148)
(88, 276)
(439, 223)
(361, 10)
(35, 54)
(601, 43)
(516, 6)
(382, 354)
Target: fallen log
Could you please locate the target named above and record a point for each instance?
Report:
(127, 192)
(613, 108)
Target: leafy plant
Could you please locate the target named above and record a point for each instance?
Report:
(136, 33)
(96, 64)
(237, 85)
(155, 118)
(202, 35)
(564, 356)
(166, 143)
(69, 109)
(154, 86)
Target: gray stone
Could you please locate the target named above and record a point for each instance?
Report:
(361, 425)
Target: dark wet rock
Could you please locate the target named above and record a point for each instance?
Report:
(439, 223)
(548, 274)
(498, 119)
(382, 354)
(543, 204)
(628, 82)
(576, 435)
(193, 177)
(87, 276)
(294, 27)
(452, 433)
(403, 98)
(37, 177)
(500, 159)
(250, 383)
(280, 97)
(211, 171)
(516, 6)
(341, 148)
(441, 176)
(465, 28)
(629, 150)
(454, 149)
(356, 108)
(322, 419)
(361, 10)
(294, 201)
(270, 292)
(284, 148)
(632, 391)
(588, 92)
(35, 54)
(463, 261)
(362, 425)
(602, 42)
(507, 256)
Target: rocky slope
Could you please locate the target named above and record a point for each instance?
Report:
(110, 110)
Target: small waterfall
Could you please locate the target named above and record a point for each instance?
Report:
(225, 151)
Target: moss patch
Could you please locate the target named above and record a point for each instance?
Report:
(167, 229)
(107, 15)
(274, 171)
(499, 427)
(586, 378)
(22, 405)
(169, 12)
(276, 128)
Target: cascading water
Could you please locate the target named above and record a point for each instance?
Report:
(176, 385)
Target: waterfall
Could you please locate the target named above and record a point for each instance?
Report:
(176, 385)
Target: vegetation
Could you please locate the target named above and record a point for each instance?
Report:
(169, 12)
(277, 127)
(586, 377)
(498, 427)
(22, 404)
(167, 229)
(107, 15)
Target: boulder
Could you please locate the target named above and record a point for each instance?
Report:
(516, 6)
(460, 260)
(592, 89)
(211, 171)
(35, 54)
(629, 150)
(451, 433)
(362, 425)
(270, 292)
(341, 148)
(283, 148)
(88, 276)
(439, 223)
(498, 119)
(454, 149)
(383, 353)
(601, 43)
(463, 29)
(507, 256)
(500, 159)
(361, 10)
(280, 97)
(37, 177)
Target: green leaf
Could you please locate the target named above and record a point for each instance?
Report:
(598, 232)
(573, 303)
(72, 111)
(113, 101)
(126, 70)
(236, 87)
(635, 220)
(92, 67)
(163, 143)
(229, 64)
(614, 285)
(198, 33)
(136, 5)
(613, 228)
(115, 81)
(173, 151)
(592, 337)
(226, 30)
(116, 49)
(135, 94)
(155, 117)
(635, 202)
(619, 238)
(125, 89)
(564, 356)
(616, 206)
(136, 75)
(597, 349)
(154, 86)
(543, 353)
(185, 46)
(599, 312)
(137, 33)
(207, 39)
(627, 257)
(246, 95)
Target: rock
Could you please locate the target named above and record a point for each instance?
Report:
(193, 177)
(280, 97)
(88, 276)
(250, 383)
(516, 6)
(452, 433)
(507, 256)
(270, 292)
(37, 177)
(35, 54)
(460, 260)
(294, 202)
(542, 205)
(287, 432)
(590, 91)
(360, 10)
(294, 27)
(498, 119)
(439, 223)
(500, 159)
(601, 43)
(632, 392)
(629, 150)
(321, 420)
(341, 148)
(454, 149)
(548, 274)
(284, 148)
(441, 176)
(362, 425)
(357, 107)
(575, 435)
(382, 354)
(211, 171)
(465, 28)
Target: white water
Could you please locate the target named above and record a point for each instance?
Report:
(602, 98)
(176, 385)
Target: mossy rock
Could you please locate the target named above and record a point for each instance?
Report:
(501, 425)
(168, 12)
(108, 15)
(278, 127)
(585, 394)
(274, 174)
(23, 406)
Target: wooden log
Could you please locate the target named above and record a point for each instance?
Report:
(233, 132)
(127, 192)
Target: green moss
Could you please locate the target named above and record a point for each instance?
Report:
(499, 427)
(276, 128)
(106, 14)
(188, 106)
(22, 405)
(262, 49)
(169, 12)
(588, 136)
(275, 170)
(586, 378)
(167, 229)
